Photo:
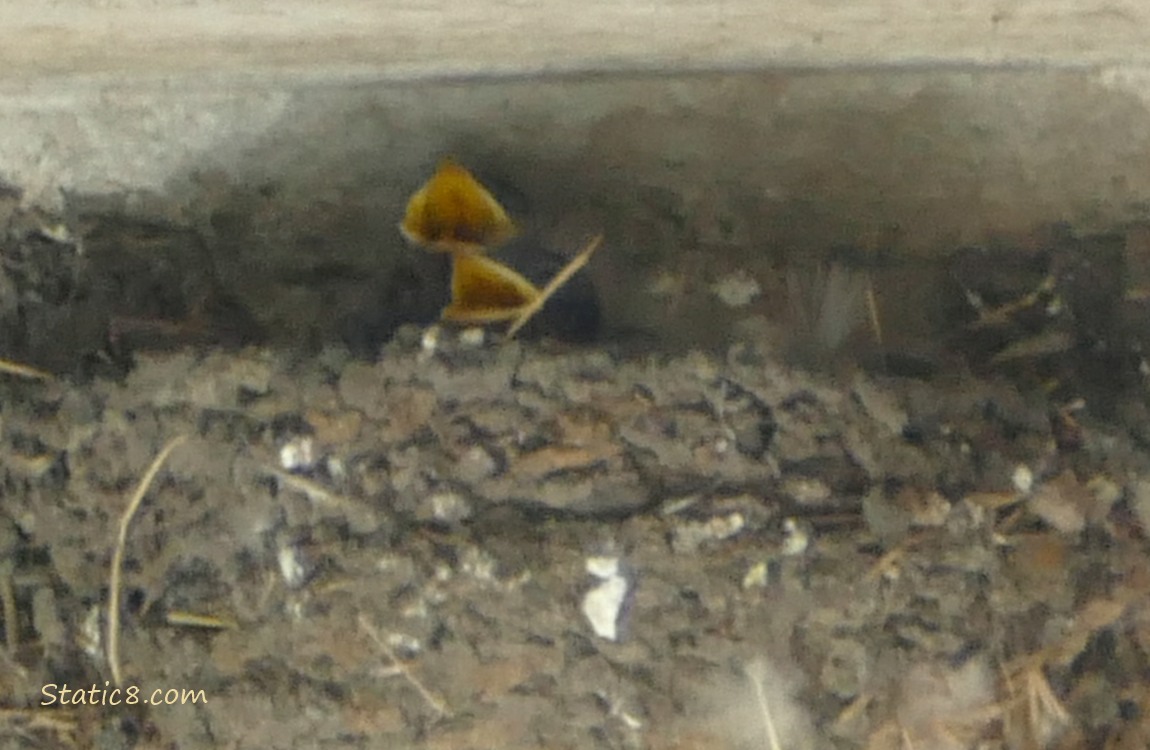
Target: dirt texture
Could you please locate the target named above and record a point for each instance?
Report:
(464, 543)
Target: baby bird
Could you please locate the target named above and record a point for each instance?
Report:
(453, 213)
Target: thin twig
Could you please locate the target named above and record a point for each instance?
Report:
(9, 367)
(400, 668)
(314, 491)
(771, 733)
(872, 309)
(118, 556)
(529, 310)
(184, 619)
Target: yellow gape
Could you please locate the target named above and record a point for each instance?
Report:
(453, 212)
(486, 291)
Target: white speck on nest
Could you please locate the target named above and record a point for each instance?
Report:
(472, 337)
(404, 644)
(89, 638)
(298, 454)
(478, 564)
(630, 721)
(450, 507)
(291, 567)
(689, 536)
(58, 233)
(603, 604)
(796, 539)
(602, 567)
(429, 342)
(615, 709)
(1023, 479)
(756, 576)
(737, 289)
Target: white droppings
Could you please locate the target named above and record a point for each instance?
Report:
(291, 566)
(756, 577)
(58, 233)
(602, 605)
(630, 721)
(473, 337)
(450, 507)
(602, 567)
(429, 342)
(1022, 479)
(796, 539)
(402, 643)
(478, 564)
(90, 638)
(690, 535)
(298, 454)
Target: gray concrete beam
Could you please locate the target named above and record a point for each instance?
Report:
(819, 124)
(432, 38)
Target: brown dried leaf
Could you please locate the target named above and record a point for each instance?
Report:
(554, 459)
(1063, 502)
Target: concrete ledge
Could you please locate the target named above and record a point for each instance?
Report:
(107, 96)
(396, 39)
